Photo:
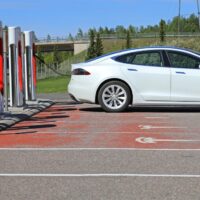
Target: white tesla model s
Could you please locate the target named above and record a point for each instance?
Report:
(145, 76)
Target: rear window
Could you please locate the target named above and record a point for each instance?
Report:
(127, 58)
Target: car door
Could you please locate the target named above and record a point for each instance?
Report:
(185, 77)
(147, 74)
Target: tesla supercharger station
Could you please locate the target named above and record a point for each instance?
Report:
(1, 68)
(30, 66)
(15, 67)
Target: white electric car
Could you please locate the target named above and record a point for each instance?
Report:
(145, 76)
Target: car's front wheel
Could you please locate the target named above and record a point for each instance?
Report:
(114, 96)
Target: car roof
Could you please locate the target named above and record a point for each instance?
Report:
(126, 51)
(171, 48)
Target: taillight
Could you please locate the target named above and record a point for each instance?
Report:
(80, 71)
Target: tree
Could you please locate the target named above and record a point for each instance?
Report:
(141, 29)
(56, 56)
(128, 40)
(91, 50)
(101, 30)
(162, 30)
(99, 45)
(70, 37)
(48, 38)
(79, 34)
(106, 30)
(120, 30)
(131, 29)
(112, 31)
(40, 55)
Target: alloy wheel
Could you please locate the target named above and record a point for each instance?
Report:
(114, 96)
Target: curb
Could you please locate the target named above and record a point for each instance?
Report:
(19, 114)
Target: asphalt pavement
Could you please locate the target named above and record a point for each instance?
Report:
(77, 151)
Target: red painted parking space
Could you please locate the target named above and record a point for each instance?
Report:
(87, 126)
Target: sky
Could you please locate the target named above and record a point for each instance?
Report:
(61, 17)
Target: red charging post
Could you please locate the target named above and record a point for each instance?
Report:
(34, 66)
(20, 69)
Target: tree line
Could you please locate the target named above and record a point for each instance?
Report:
(187, 24)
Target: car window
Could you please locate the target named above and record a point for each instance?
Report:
(180, 60)
(146, 58)
(127, 58)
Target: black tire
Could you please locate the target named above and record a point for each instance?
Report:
(116, 104)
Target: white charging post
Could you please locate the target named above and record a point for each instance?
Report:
(30, 66)
(1, 69)
(23, 63)
(15, 67)
(5, 69)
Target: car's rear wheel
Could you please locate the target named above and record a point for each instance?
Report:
(114, 96)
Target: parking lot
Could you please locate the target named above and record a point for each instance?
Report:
(77, 151)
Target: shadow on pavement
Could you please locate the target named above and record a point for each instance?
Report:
(66, 109)
(47, 117)
(67, 103)
(148, 109)
(59, 109)
(27, 132)
(93, 109)
(54, 117)
(33, 127)
(164, 109)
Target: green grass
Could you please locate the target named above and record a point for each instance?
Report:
(53, 85)
(187, 42)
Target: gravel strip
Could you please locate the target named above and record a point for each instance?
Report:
(55, 96)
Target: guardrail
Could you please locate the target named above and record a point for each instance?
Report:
(116, 36)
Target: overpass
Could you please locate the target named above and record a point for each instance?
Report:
(62, 45)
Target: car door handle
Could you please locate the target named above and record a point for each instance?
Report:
(133, 70)
(180, 72)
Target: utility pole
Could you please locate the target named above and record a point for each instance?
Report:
(198, 12)
(179, 16)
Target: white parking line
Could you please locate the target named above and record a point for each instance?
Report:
(104, 175)
(150, 140)
(93, 149)
(67, 132)
(156, 117)
(147, 127)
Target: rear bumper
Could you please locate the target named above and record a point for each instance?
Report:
(81, 91)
